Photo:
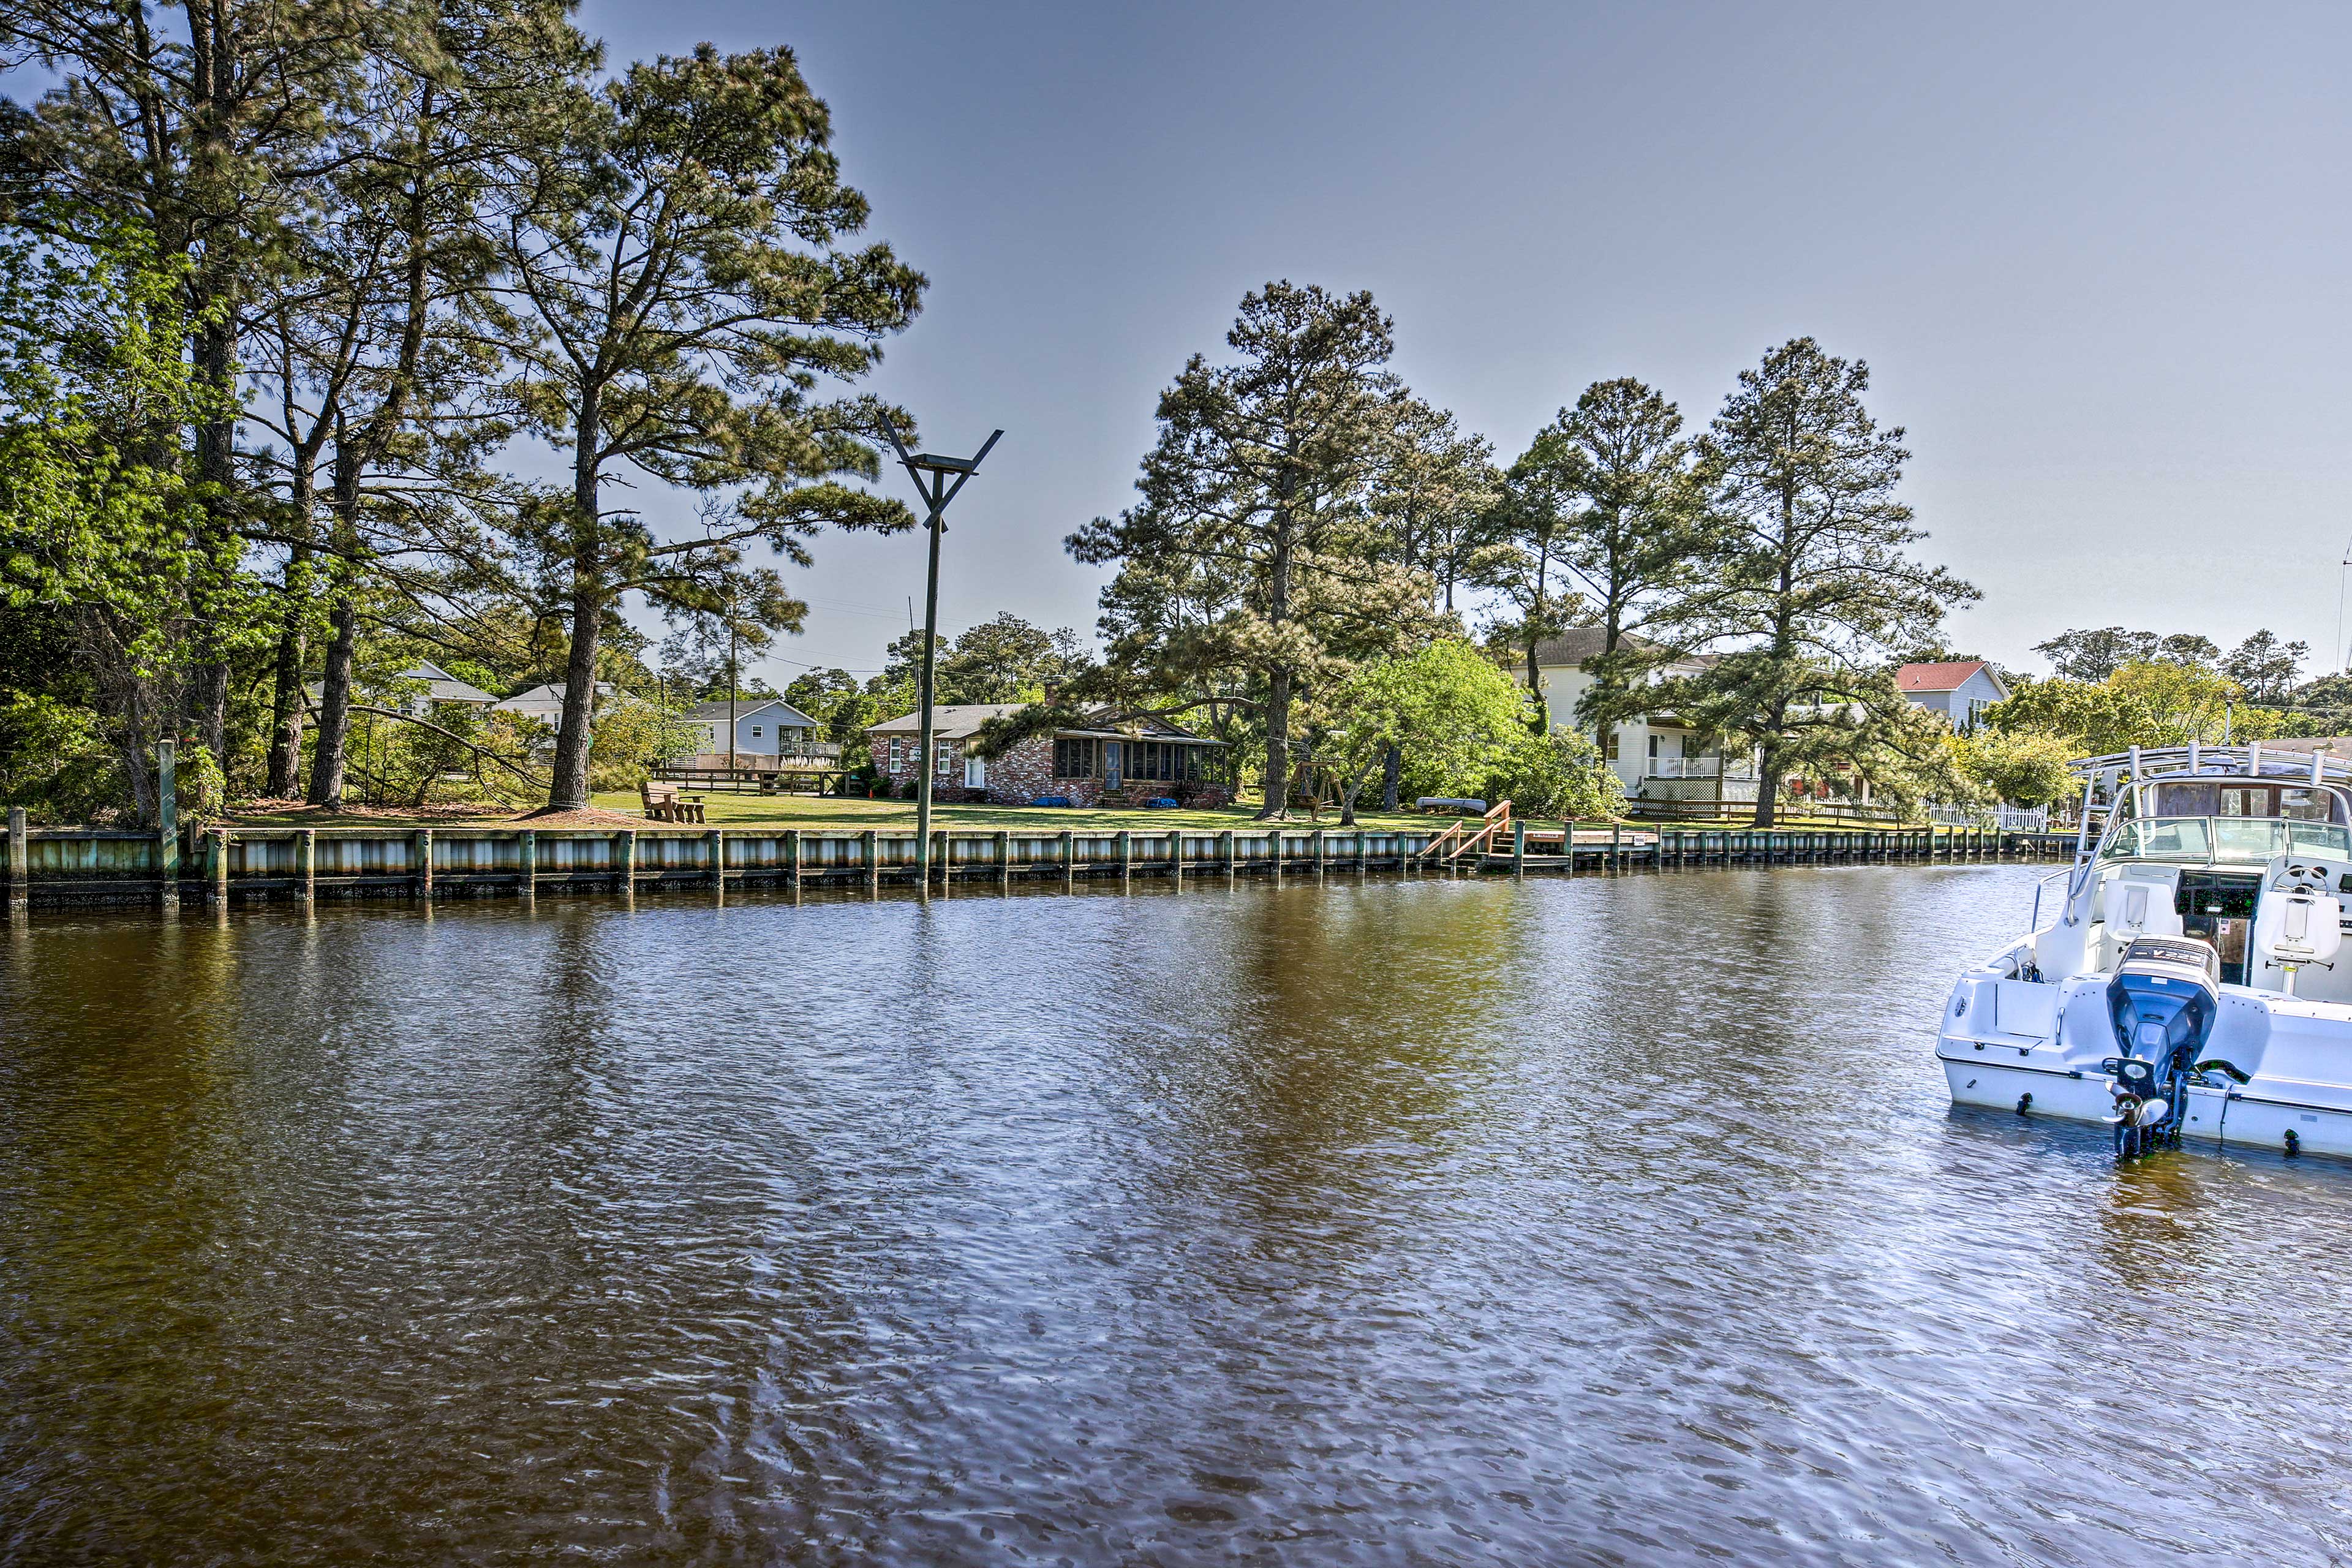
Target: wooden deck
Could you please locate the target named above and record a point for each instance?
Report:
(790, 775)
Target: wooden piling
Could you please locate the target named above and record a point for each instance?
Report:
(420, 849)
(306, 864)
(794, 849)
(1004, 858)
(216, 866)
(1069, 850)
(714, 855)
(20, 861)
(1225, 849)
(1519, 848)
(1126, 857)
(870, 857)
(167, 820)
(1176, 855)
(527, 862)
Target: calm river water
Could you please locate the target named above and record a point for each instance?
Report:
(1385, 1222)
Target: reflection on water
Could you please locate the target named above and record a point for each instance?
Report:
(1381, 1222)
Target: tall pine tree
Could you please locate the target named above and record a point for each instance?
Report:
(1264, 479)
(679, 243)
(1812, 595)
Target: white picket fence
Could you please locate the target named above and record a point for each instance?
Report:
(2008, 818)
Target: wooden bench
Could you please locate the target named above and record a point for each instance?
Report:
(663, 803)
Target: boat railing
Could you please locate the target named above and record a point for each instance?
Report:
(2033, 922)
(2144, 764)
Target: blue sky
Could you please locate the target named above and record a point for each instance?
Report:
(2095, 256)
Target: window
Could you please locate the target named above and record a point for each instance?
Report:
(1159, 761)
(945, 761)
(1609, 753)
(898, 755)
(1074, 758)
(756, 732)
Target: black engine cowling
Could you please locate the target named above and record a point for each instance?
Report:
(2163, 1001)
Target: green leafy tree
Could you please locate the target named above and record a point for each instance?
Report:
(704, 652)
(376, 351)
(1558, 774)
(197, 132)
(1633, 529)
(2025, 767)
(1444, 709)
(1523, 561)
(2266, 668)
(2095, 655)
(2148, 703)
(633, 737)
(1264, 476)
(678, 240)
(101, 529)
(1007, 659)
(1812, 593)
(2191, 649)
(1436, 493)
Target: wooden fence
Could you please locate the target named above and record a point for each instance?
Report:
(56, 864)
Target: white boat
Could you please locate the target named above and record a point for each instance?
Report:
(2192, 981)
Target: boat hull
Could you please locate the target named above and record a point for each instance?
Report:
(2004, 1041)
(2241, 1120)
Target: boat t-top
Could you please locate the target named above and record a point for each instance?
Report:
(2192, 981)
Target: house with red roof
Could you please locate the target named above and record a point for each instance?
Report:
(1961, 691)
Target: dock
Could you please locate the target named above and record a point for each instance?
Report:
(240, 865)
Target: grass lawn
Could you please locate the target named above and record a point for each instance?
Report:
(815, 812)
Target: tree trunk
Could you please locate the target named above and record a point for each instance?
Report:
(1277, 686)
(1277, 746)
(286, 697)
(1542, 721)
(1391, 777)
(569, 792)
(334, 707)
(211, 705)
(327, 760)
(1768, 783)
(212, 286)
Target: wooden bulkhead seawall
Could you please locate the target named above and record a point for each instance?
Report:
(53, 865)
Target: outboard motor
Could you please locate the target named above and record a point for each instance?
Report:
(2163, 1000)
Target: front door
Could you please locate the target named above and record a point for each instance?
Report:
(975, 771)
(1110, 764)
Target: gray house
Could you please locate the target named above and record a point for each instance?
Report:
(1961, 691)
(764, 727)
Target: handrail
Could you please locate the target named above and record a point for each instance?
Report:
(2197, 761)
(1498, 816)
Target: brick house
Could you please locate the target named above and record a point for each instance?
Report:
(1107, 757)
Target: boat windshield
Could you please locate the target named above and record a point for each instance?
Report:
(2251, 840)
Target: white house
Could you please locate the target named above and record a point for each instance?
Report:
(1656, 756)
(1961, 691)
(764, 727)
(440, 687)
(545, 702)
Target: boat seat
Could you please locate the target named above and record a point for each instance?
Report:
(2141, 905)
(2298, 923)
